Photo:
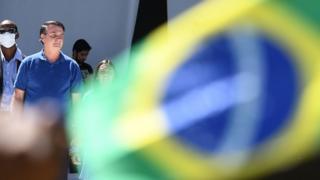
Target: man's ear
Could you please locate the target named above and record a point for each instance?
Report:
(41, 38)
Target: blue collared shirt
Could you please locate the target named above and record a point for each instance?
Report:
(9, 76)
(42, 80)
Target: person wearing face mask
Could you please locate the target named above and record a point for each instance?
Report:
(11, 58)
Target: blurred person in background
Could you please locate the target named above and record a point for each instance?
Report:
(104, 74)
(80, 52)
(105, 71)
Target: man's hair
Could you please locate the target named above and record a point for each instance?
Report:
(81, 45)
(7, 21)
(44, 26)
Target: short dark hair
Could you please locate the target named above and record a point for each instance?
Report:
(44, 26)
(7, 21)
(81, 45)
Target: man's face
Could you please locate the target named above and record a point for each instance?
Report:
(53, 38)
(81, 56)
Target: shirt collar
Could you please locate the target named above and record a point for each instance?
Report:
(44, 58)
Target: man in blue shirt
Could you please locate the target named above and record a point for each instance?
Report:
(10, 59)
(48, 75)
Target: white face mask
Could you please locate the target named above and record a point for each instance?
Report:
(7, 39)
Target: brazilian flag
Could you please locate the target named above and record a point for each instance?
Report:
(229, 89)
